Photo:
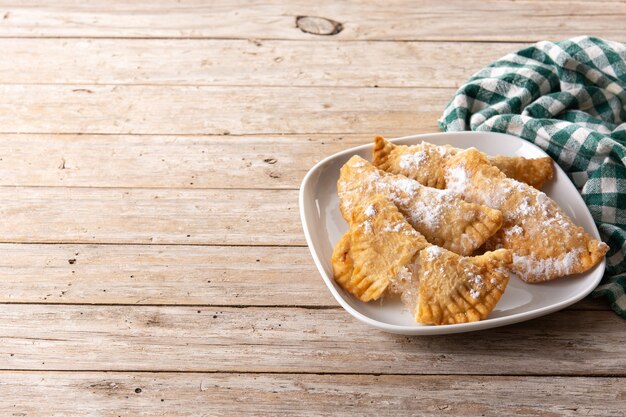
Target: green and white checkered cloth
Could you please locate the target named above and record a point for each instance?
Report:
(569, 98)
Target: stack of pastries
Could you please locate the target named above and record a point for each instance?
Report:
(443, 228)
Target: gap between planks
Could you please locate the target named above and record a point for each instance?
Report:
(235, 306)
(266, 39)
(155, 244)
(331, 374)
(587, 305)
(294, 86)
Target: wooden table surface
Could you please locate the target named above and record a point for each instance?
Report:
(153, 258)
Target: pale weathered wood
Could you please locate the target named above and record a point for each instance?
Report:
(252, 339)
(171, 394)
(219, 62)
(150, 216)
(491, 20)
(177, 275)
(165, 161)
(119, 156)
(218, 110)
(190, 275)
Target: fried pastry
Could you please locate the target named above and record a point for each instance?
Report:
(342, 261)
(440, 215)
(455, 289)
(546, 244)
(378, 245)
(532, 171)
(425, 163)
(381, 250)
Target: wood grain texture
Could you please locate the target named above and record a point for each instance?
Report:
(153, 259)
(191, 275)
(268, 63)
(218, 110)
(277, 162)
(149, 216)
(253, 339)
(167, 394)
(487, 20)
(174, 275)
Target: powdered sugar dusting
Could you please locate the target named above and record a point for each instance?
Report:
(422, 206)
(515, 230)
(396, 228)
(412, 161)
(429, 210)
(406, 283)
(528, 213)
(476, 279)
(443, 151)
(546, 267)
(406, 185)
(370, 211)
(457, 179)
(474, 293)
(524, 208)
(498, 193)
(402, 280)
(410, 232)
(433, 252)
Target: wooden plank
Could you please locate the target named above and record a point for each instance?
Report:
(218, 110)
(278, 162)
(143, 338)
(407, 20)
(591, 303)
(172, 394)
(192, 275)
(150, 216)
(268, 63)
(174, 275)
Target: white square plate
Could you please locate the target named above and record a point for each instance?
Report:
(323, 226)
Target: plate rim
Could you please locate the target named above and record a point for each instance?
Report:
(451, 328)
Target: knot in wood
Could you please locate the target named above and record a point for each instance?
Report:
(318, 25)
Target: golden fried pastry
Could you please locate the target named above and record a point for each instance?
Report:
(425, 163)
(342, 261)
(455, 289)
(532, 171)
(378, 245)
(381, 250)
(546, 244)
(440, 215)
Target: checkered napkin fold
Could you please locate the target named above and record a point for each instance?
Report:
(569, 98)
